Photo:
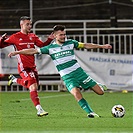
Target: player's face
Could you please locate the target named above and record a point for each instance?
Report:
(60, 36)
(26, 26)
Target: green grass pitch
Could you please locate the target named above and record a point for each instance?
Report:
(18, 115)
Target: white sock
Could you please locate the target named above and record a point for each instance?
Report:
(14, 80)
(38, 107)
(101, 86)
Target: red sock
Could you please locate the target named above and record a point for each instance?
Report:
(34, 97)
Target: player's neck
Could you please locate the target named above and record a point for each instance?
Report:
(24, 32)
(59, 43)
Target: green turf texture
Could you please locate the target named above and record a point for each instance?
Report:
(18, 115)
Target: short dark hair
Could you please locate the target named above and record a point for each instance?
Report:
(25, 18)
(58, 27)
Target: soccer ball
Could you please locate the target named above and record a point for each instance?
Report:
(118, 111)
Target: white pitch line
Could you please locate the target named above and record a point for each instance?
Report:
(45, 97)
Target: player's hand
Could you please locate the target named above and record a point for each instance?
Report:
(51, 36)
(12, 54)
(107, 46)
(4, 36)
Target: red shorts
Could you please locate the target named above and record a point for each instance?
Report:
(29, 76)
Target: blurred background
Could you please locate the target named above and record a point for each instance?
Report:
(11, 11)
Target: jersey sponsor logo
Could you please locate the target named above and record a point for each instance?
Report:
(63, 53)
(26, 43)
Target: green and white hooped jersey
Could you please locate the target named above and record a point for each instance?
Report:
(63, 57)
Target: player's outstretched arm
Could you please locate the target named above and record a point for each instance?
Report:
(94, 46)
(24, 51)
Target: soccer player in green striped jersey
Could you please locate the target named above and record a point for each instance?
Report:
(74, 77)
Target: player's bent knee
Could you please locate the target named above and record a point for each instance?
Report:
(33, 87)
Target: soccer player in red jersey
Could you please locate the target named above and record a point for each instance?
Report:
(26, 64)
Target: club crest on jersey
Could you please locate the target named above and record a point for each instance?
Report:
(28, 46)
(30, 38)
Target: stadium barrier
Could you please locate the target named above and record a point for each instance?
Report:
(53, 85)
(46, 83)
(120, 38)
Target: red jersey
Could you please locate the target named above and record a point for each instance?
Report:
(24, 41)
